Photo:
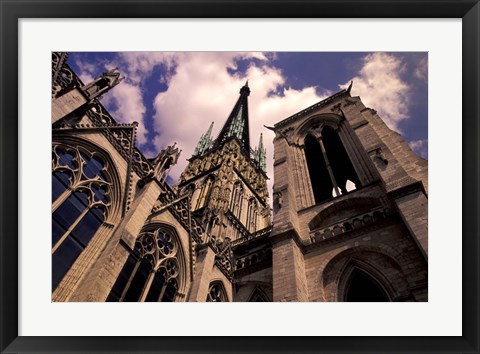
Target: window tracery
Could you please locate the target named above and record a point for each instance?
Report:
(216, 293)
(152, 270)
(80, 204)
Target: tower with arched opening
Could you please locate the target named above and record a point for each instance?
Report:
(350, 207)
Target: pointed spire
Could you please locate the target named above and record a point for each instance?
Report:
(237, 122)
(205, 142)
(260, 155)
(245, 89)
(260, 143)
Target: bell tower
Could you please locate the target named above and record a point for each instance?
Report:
(350, 207)
(227, 184)
(227, 179)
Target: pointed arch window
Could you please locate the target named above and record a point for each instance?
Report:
(236, 199)
(331, 171)
(152, 270)
(364, 288)
(216, 292)
(80, 204)
(204, 193)
(252, 211)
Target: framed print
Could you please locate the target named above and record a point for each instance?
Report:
(229, 152)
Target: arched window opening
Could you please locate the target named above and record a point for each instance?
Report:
(216, 293)
(80, 203)
(236, 199)
(331, 171)
(364, 288)
(319, 177)
(251, 223)
(340, 162)
(204, 193)
(151, 272)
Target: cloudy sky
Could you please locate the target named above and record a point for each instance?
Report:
(176, 95)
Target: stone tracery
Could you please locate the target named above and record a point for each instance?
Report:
(152, 270)
(81, 203)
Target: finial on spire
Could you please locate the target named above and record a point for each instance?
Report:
(236, 125)
(245, 89)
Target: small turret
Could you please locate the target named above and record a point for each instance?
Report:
(102, 84)
(260, 155)
(205, 142)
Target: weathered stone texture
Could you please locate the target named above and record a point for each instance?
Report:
(329, 240)
(317, 242)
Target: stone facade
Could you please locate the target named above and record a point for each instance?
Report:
(355, 220)
(378, 229)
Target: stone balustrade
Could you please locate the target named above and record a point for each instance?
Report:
(349, 224)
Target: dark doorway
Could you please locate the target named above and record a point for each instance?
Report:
(363, 288)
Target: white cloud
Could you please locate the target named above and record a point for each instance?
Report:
(85, 77)
(86, 68)
(380, 86)
(421, 71)
(129, 105)
(202, 91)
(140, 65)
(420, 147)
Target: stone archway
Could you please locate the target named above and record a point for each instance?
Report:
(366, 275)
(362, 287)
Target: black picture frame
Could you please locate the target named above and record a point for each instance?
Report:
(12, 11)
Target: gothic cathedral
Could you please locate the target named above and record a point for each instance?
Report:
(349, 217)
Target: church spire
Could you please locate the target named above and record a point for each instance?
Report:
(205, 142)
(237, 122)
(260, 155)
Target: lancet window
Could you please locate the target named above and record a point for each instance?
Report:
(252, 211)
(151, 272)
(80, 204)
(331, 171)
(236, 199)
